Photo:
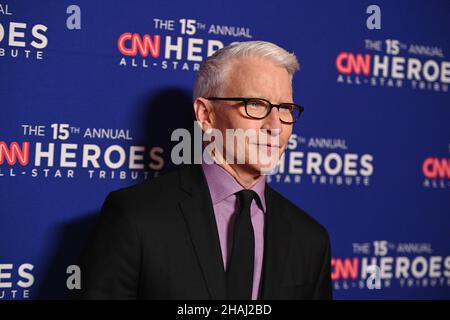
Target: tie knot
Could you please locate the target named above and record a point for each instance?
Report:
(245, 197)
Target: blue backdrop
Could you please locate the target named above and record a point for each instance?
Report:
(90, 92)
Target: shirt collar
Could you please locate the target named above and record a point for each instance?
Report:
(222, 184)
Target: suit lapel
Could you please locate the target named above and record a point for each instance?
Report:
(199, 216)
(276, 247)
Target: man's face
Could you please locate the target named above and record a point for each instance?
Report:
(255, 78)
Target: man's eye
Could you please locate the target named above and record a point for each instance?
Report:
(255, 104)
(286, 108)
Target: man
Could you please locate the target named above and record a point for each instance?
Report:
(217, 231)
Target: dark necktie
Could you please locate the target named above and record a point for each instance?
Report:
(240, 267)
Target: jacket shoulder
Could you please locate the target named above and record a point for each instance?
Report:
(301, 221)
(159, 194)
(149, 188)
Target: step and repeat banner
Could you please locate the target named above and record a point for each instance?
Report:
(91, 91)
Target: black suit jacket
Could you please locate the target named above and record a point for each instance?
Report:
(159, 240)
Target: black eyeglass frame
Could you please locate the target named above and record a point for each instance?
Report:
(272, 105)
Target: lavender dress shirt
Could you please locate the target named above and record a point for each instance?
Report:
(222, 187)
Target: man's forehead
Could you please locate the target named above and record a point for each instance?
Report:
(245, 80)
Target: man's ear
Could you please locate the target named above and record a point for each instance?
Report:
(204, 113)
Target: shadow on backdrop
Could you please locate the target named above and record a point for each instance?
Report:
(70, 239)
(160, 114)
(165, 111)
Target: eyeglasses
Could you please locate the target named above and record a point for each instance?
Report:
(258, 108)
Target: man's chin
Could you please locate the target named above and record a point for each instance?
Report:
(269, 170)
(262, 169)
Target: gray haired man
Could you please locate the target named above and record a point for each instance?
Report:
(217, 230)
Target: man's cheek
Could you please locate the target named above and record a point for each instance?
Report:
(283, 142)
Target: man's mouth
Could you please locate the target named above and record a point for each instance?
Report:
(267, 145)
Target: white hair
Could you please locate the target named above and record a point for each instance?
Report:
(212, 74)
